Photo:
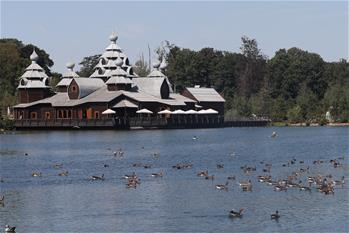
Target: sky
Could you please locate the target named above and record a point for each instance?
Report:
(69, 31)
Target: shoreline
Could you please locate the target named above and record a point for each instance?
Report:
(285, 124)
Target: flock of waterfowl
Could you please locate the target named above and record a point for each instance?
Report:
(301, 178)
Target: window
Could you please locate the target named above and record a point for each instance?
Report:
(73, 88)
(97, 115)
(33, 115)
(47, 115)
(69, 114)
(60, 115)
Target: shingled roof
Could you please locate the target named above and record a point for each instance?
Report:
(203, 94)
(88, 85)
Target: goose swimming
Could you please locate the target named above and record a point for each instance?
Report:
(222, 186)
(9, 229)
(246, 186)
(36, 174)
(209, 177)
(234, 214)
(160, 174)
(65, 173)
(97, 177)
(340, 182)
(203, 173)
(275, 216)
(132, 176)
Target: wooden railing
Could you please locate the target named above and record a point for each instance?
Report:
(64, 123)
(175, 121)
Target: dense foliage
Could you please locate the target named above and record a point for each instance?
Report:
(87, 65)
(14, 58)
(294, 85)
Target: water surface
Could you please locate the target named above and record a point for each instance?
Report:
(180, 201)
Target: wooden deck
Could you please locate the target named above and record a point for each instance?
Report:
(140, 122)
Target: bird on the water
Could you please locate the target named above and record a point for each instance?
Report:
(274, 134)
(97, 177)
(9, 229)
(275, 216)
(235, 214)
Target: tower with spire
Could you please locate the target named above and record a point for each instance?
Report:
(106, 63)
(156, 72)
(34, 83)
(119, 78)
(68, 76)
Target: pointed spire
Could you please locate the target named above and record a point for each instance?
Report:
(34, 56)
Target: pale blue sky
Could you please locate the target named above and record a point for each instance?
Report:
(68, 31)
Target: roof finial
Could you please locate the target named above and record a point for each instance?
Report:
(156, 64)
(163, 64)
(34, 56)
(70, 66)
(113, 37)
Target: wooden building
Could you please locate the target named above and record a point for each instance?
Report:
(206, 98)
(113, 85)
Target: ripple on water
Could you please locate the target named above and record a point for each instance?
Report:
(180, 201)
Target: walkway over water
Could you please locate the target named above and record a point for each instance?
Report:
(143, 122)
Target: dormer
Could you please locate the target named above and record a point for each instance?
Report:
(157, 87)
(62, 86)
(81, 87)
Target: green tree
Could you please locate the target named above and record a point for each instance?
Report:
(44, 59)
(252, 76)
(88, 64)
(261, 103)
(288, 70)
(55, 78)
(14, 58)
(308, 103)
(279, 109)
(141, 67)
(180, 69)
(294, 114)
(337, 101)
(163, 50)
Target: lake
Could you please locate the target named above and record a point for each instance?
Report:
(180, 201)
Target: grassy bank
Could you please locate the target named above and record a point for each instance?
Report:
(7, 124)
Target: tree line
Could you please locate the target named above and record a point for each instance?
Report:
(294, 85)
